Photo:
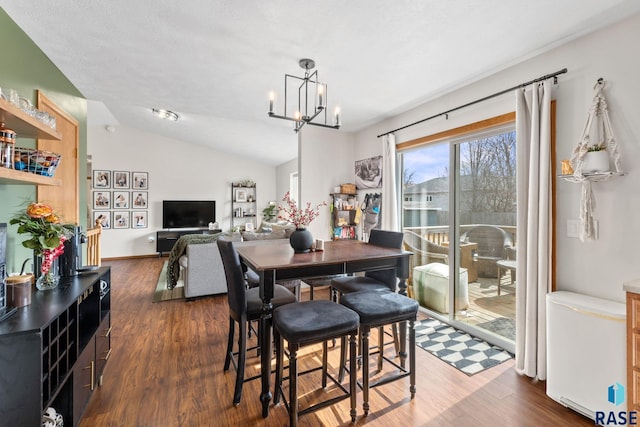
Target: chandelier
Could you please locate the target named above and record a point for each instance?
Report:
(312, 99)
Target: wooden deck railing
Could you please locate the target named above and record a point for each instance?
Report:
(93, 245)
(440, 234)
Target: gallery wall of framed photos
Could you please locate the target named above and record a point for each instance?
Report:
(120, 199)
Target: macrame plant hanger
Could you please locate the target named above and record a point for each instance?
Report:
(598, 117)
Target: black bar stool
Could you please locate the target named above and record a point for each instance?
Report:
(312, 322)
(245, 306)
(377, 309)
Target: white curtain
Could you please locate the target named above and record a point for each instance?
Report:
(533, 281)
(389, 184)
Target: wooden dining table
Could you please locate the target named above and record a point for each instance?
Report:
(275, 262)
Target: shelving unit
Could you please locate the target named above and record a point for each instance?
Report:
(343, 215)
(26, 127)
(53, 351)
(243, 206)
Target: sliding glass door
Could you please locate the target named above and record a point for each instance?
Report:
(459, 213)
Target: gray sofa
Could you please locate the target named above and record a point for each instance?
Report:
(201, 266)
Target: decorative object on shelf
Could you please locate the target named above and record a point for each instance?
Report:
(301, 239)
(47, 241)
(40, 162)
(566, 167)
(244, 183)
(7, 146)
(590, 162)
(240, 195)
(596, 159)
(308, 87)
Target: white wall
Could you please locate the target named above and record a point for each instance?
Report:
(326, 160)
(596, 268)
(283, 178)
(177, 171)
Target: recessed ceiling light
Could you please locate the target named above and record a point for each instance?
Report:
(165, 114)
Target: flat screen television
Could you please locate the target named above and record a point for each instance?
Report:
(188, 213)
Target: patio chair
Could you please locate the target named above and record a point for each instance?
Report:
(492, 242)
(429, 275)
(424, 252)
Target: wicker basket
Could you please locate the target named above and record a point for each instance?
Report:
(348, 188)
(36, 161)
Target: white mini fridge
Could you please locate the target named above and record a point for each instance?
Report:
(586, 351)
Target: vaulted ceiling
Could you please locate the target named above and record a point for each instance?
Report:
(214, 62)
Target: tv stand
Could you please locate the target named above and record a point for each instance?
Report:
(165, 239)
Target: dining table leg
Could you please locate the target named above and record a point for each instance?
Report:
(266, 293)
(402, 271)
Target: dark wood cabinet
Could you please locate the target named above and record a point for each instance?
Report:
(165, 239)
(53, 351)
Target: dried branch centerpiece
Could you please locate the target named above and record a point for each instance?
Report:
(301, 239)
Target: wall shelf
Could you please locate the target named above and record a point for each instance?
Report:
(23, 124)
(594, 177)
(11, 176)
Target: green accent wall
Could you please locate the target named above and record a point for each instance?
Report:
(27, 69)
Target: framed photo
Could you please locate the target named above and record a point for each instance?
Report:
(101, 200)
(139, 199)
(120, 179)
(139, 219)
(369, 173)
(104, 218)
(140, 180)
(101, 179)
(120, 219)
(121, 200)
(241, 195)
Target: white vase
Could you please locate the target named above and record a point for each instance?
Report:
(596, 161)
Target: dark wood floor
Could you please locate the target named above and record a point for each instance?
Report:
(166, 365)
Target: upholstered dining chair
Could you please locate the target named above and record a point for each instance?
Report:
(245, 306)
(372, 280)
(382, 280)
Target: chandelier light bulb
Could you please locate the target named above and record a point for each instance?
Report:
(321, 96)
(272, 98)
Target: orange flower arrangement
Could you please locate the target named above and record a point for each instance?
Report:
(47, 234)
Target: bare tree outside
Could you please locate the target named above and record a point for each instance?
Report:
(489, 167)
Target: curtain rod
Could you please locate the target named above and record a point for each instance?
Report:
(502, 92)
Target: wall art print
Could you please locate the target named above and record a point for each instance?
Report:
(369, 173)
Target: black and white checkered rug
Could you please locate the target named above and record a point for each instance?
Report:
(459, 349)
